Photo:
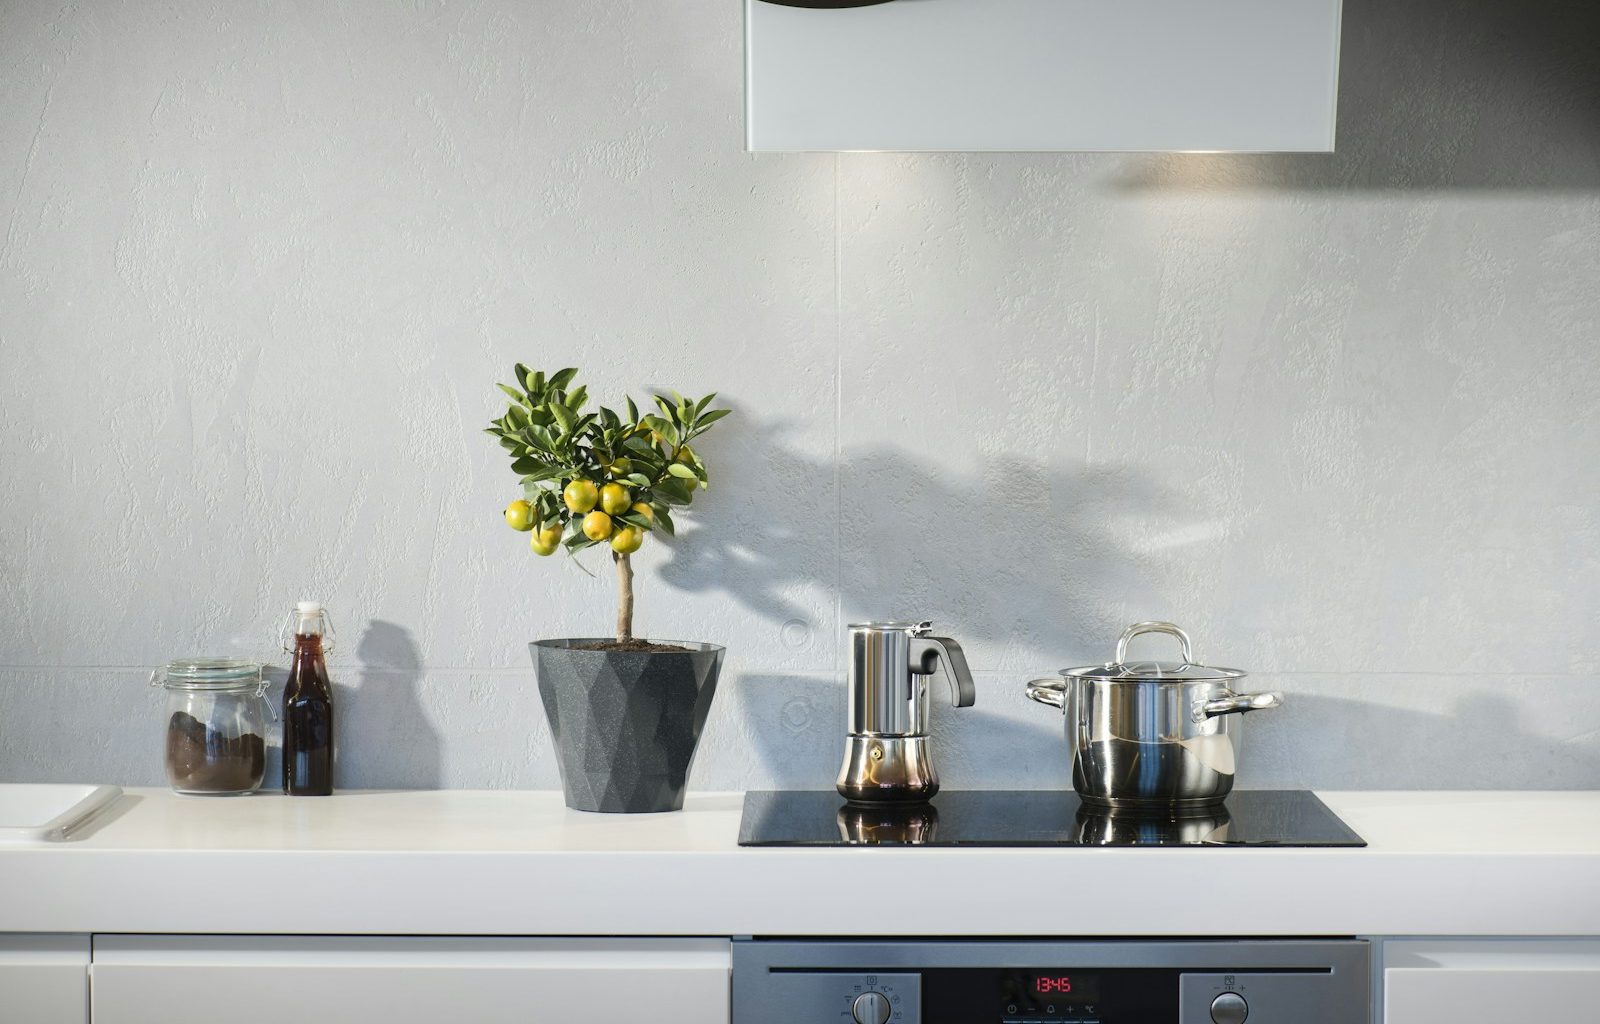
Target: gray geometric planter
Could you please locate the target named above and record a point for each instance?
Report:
(625, 723)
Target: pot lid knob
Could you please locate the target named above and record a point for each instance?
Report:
(1139, 628)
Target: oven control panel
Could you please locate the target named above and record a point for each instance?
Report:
(846, 997)
(990, 982)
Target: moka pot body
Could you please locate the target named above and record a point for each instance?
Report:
(888, 757)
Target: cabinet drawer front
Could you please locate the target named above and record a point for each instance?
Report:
(249, 980)
(1474, 996)
(1479, 981)
(44, 979)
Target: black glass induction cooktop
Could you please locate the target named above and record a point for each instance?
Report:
(1258, 817)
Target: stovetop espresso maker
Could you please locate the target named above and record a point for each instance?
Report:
(887, 757)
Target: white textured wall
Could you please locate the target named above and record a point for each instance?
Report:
(261, 263)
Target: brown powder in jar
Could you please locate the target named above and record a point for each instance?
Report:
(203, 760)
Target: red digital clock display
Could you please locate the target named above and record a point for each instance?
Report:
(1069, 988)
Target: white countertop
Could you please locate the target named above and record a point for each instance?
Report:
(520, 863)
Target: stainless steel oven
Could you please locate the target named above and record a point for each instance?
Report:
(1016, 981)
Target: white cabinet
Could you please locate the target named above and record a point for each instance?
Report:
(1043, 75)
(271, 980)
(44, 979)
(1555, 981)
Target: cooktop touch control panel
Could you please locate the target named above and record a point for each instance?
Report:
(1001, 982)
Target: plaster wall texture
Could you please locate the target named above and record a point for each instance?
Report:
(261, 263)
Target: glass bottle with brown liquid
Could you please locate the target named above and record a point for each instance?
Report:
(308, 704)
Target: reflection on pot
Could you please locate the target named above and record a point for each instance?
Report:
(888, 824)
(1097, 827)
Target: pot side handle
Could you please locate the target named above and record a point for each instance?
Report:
(1049, 691)
(1236, 704)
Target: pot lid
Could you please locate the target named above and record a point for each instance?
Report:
(1187, 670)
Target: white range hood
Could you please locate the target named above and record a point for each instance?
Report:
(973, 75)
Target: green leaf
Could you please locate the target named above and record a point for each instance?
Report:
(561, 378)
(682, 472)
(577, 398)
(635, 519)
(633, 412)
(663, 427)
(664, 520)
(639, 444)
(674, 491)
(516, 396)
(711, 417)
(637, 479)
(564, 416)
(700, 406)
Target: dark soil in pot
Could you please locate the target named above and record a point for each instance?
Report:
(627, 645)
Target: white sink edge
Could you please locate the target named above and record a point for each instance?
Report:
(90, 801)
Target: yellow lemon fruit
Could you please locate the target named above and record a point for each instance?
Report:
(580, 496)
(614, 499)
(597, 526)
(519, 516)
(545, 542)
(620, 466)
(627, 540)
(640, 508)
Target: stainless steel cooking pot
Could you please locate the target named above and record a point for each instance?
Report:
(1151, 734)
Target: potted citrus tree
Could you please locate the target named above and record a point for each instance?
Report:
(625, 713)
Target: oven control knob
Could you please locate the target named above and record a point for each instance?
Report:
(873, 1008)
(1229, 1008)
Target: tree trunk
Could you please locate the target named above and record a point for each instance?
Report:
(624, 598)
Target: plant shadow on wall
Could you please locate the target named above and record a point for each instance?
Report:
(1015, 576)
(1437, 94)
(1026, 582)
